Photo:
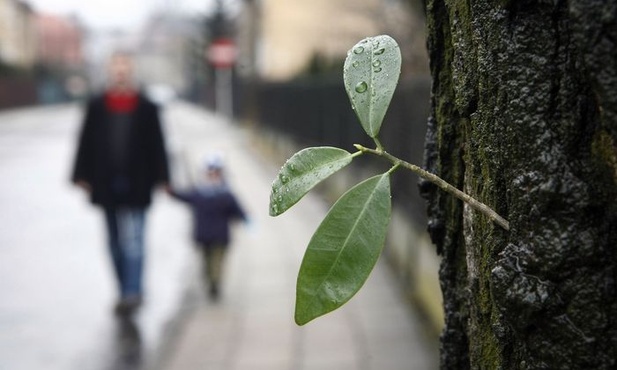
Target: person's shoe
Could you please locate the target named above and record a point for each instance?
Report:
(128, 305)
(214, 291)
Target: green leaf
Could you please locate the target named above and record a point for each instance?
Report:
(302, 172)
(371, 72)
(344, 249)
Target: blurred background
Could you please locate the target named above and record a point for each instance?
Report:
(279, 63)
(55, 50)
(271, 68)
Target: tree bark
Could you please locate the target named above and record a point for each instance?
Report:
(524, 118)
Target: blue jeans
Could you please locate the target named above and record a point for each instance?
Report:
(125, 228)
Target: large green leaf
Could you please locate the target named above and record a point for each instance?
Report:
(344, 249)
(302, 172)
(371, 72)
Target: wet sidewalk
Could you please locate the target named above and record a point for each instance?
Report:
(251, 326)
(58, 292)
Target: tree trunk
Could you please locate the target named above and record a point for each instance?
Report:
(524, 118)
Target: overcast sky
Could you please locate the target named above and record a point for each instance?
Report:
(116, 13)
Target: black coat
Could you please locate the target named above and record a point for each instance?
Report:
(146, 157)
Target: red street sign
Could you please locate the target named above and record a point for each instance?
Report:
(222, 53)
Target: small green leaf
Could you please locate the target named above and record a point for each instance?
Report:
(302, 172)
(371, 72)
(344, 249)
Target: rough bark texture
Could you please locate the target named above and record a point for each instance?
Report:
(524, 118)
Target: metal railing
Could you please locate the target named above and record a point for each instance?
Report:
(316, 113)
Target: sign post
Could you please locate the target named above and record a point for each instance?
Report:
(222, 55)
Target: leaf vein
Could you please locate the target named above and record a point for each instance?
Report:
(351, 232)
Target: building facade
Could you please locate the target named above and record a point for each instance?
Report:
(17, 34)
(279, 38)
(59, 41)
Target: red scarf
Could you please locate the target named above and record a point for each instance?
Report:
(121, 102)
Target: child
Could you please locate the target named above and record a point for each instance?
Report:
(213, 206)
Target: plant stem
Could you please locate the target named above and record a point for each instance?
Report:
(444, 185)
(379, 145)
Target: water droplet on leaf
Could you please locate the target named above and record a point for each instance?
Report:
(361, 87)
(379, 51)
(358, 50)
(377, 63)
(355, 64)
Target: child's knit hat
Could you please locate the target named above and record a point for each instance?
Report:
(214, 161)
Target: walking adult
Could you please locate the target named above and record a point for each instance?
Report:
(120, 159)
